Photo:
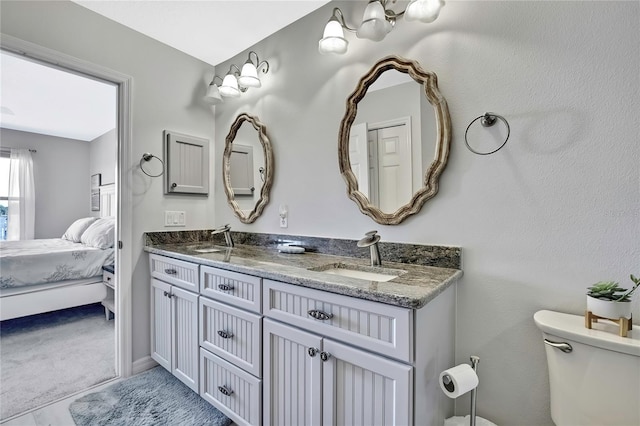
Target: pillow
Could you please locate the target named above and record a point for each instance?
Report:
(100, 234)
(74, 232)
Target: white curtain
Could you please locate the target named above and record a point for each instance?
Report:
(22, 205)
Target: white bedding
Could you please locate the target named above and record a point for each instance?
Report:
(29, 262)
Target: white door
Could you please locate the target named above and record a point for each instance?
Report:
(360, 388)
(394, 168)
(161, 323)
(292, 374)
(184, 337)
(359, 157)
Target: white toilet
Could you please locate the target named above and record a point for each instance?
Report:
(594, 375)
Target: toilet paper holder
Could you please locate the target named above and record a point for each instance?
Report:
(448, 384)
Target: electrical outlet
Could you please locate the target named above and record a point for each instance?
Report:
(283, 212)
(175, 218)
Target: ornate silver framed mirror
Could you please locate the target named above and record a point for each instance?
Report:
(394, 142)
(247, 165)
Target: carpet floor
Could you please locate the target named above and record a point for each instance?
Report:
(48, 356)
(152, 398)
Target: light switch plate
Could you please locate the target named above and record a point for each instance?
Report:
(175, 218)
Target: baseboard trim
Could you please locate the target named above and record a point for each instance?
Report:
(142, 364)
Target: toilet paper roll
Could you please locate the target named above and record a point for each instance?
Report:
(458, 380)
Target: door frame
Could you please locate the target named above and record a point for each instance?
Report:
(123, 254)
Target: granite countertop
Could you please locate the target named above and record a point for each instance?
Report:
(414, 288)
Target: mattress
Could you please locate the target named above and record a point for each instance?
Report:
(31, 262)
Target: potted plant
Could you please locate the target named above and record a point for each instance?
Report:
(607, 299)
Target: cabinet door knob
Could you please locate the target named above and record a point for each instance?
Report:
(167, 294)
(225, 287)
(225, 334)
(324, 355)
(173, 185)
(170, 271)
(319, 315)
(225, 390)
(312, 351)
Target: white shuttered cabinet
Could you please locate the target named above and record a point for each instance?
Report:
(271, 353)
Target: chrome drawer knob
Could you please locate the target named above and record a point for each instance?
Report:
(324, 355)
(225, 334)
(225, 390)
(312, 352)
(319, 315)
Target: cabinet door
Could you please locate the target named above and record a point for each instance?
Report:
(187, 164)
(184, 337)
(292, 388)
(360, 388)
(161, 323)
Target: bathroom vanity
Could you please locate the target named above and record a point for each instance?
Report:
(273, 338)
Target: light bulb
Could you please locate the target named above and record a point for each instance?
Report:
(374, 23)
(425, 11)
(333, 40)
(230, 86)
(249, 76)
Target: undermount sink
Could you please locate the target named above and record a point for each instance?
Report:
(206, 249)
(368, 273)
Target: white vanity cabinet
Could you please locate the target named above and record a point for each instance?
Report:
(314, 380)
(231, 343)
(174, 336)
(174, 318)
(269, 353)
(326, 359)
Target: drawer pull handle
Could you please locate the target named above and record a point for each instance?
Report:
(225, 287)
(225, 390)
(319, 315)
(167, 294)
(225, 334)
(170, 271)
(312, 352)
(324, 355)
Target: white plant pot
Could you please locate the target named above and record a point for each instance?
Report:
(608, 308)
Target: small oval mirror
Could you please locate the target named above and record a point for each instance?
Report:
(247, 165)
(394, 143)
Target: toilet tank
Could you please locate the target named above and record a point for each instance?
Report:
(598, 382)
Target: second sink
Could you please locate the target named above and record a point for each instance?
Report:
(361, 272)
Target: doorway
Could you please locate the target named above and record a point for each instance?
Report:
(123, 256)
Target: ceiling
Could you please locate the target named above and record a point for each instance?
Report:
(210, 30)
(40, 99)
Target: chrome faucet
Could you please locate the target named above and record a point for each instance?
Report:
(227, 234)
(371, 240)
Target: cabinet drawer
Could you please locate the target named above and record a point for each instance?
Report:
(234, 288)
(232, 334)
(109, 279)
(177, 272)
(234, 392)
(378, 327)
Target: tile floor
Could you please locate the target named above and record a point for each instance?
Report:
(54, 414)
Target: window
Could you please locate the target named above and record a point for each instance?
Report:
(4, 194)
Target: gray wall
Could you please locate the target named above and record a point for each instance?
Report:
(71, 29)
(103, 156)
(553, 212)
(61, 179)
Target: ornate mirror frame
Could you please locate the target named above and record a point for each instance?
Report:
(443, 139)
(268, 159)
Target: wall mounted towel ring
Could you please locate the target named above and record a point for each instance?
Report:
(487, 120)
(147, 156)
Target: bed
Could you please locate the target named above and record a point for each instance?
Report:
(45, 275)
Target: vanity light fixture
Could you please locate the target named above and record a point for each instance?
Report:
(377, 22)
(237, 81)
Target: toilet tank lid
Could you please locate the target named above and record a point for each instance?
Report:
(572, 327)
